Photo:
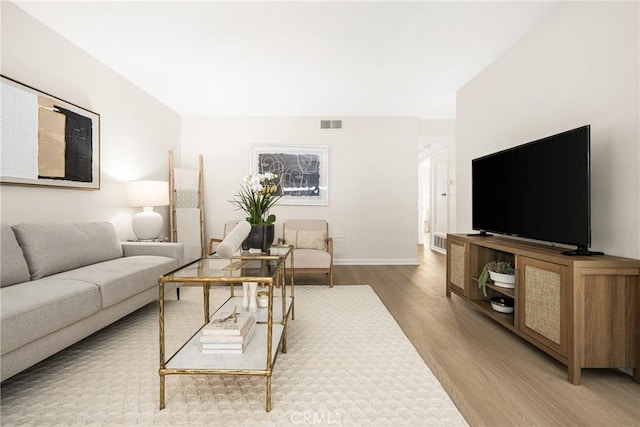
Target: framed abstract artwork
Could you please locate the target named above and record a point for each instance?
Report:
(303, 171)
(46, 140)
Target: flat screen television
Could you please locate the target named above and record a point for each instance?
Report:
(539, 190)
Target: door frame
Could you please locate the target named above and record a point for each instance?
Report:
(438, 238)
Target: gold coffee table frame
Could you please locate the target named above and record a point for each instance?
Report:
(260, 355)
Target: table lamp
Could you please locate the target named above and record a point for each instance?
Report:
(147, 194)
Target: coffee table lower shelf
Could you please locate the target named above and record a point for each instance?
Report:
(190, 360)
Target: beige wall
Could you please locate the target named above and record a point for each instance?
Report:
(136, 130)
(373, 193)
(580, 66)
(373, 166)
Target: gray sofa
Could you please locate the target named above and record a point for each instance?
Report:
(62, 282)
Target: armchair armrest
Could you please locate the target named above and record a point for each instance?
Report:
(213, 245)
(171, 250)
(330, 247)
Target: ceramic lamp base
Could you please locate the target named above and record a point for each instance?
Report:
(147, 224)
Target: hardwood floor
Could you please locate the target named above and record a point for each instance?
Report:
(494, 377)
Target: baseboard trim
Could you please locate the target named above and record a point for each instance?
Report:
(376, 261)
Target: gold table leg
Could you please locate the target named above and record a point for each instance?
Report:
(162, 404)
(269, 392)
(161, 329)
(205, 290)
(293, 287)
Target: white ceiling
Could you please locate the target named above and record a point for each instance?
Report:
(296, 58)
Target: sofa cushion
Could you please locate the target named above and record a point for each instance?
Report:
(14, 266)
(52, 248)
(122, 278)
(311, 258)
(34, 309)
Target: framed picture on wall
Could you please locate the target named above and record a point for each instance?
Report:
(47, 141)
(303, 171)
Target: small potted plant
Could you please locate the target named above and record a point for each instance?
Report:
(501, 272)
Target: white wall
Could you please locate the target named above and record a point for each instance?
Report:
(373, 191)
(136, 130)
(579, 66)
(435, 128)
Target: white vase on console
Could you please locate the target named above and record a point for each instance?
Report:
(245, 295)
(253, 294)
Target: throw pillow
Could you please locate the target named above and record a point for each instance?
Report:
(54, 248)
(290, 237)
(14, 266)
(311, 239)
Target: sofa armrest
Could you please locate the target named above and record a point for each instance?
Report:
(171, 250)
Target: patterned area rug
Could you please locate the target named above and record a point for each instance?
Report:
(348, 363)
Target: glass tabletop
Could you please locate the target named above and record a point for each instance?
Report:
(244, 267)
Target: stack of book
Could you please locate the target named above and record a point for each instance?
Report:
(228, 333)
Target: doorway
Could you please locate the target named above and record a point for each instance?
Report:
(439, 197)
(424, 199)
(433, 196)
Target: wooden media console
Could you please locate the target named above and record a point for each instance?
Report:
(582, 310)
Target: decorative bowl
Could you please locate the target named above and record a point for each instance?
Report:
(502, 304)
(503, 280)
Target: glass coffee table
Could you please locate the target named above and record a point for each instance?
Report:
(260, 355)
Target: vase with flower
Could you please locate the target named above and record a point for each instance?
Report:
(256, 196)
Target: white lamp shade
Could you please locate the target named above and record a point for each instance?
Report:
(148, 193)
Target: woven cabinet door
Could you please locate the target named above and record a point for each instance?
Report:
(457, 266)
(543, 298)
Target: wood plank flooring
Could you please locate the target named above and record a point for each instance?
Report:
(494, 377)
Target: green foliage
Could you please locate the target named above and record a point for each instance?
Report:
(256, 197)
(501, 267)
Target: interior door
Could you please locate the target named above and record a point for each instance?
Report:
(439, 226)
(424, 199)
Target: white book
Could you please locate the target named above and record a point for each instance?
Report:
(224, 323)
(222, 351)
(226, 348)
(216, 346)
(227, 339)
(221, 339)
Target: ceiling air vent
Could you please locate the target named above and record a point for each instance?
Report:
(330, 124)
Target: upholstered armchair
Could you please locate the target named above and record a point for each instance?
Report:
(313, 247)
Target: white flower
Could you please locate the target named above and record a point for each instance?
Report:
(257, 196)
(255, 185)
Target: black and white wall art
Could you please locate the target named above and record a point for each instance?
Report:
(303, 171)
(46, 140)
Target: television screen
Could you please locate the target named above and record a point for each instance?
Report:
(539, 190)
